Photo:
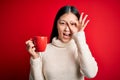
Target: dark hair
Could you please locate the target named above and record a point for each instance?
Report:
(63, 10)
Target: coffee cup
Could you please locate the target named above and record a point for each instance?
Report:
(40, 43)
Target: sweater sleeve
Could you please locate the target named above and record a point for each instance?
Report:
(88, 65)
(36, 69)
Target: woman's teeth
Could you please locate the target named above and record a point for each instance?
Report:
(66, 34)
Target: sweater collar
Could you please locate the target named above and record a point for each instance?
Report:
(59, 43)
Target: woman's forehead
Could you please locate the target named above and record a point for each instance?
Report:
(69, 17)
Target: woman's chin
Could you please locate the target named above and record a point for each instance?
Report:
(66, 40)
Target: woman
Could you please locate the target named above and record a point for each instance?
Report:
(67, 56)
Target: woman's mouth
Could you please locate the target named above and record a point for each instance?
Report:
(66, 35)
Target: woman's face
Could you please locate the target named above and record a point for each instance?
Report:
(63, 25)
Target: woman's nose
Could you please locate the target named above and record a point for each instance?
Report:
(66, 28)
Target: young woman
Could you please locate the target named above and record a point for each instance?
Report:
(67, 56)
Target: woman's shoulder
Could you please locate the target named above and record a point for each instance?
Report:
(49, 46)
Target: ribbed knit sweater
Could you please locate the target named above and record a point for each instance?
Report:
(64, 61)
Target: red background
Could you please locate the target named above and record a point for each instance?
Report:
(22, 19)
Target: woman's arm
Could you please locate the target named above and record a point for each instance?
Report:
(88, 64)
(36, 69)
(35, 62)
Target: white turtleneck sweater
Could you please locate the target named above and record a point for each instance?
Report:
(64, 61)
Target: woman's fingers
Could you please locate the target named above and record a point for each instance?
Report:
(31, 49)
(29, 43)
(30, 46)
(80, 20)
(83, 21)
(86, 23)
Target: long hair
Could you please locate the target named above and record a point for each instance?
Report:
(62, 11)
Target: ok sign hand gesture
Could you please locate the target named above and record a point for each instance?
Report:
(81, 25)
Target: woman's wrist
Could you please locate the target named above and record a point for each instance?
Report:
(77, 34)
(35, 56)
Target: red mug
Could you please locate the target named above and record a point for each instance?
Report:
(40, 43)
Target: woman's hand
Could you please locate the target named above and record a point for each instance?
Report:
(80, 25)
(31, 49)
(82, 22)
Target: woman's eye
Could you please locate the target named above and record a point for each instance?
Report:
(62, 23)
(73, 24)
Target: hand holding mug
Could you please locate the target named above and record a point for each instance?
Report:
(36, 44)
(31, 49)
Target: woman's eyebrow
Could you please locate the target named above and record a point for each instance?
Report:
(61, 20)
